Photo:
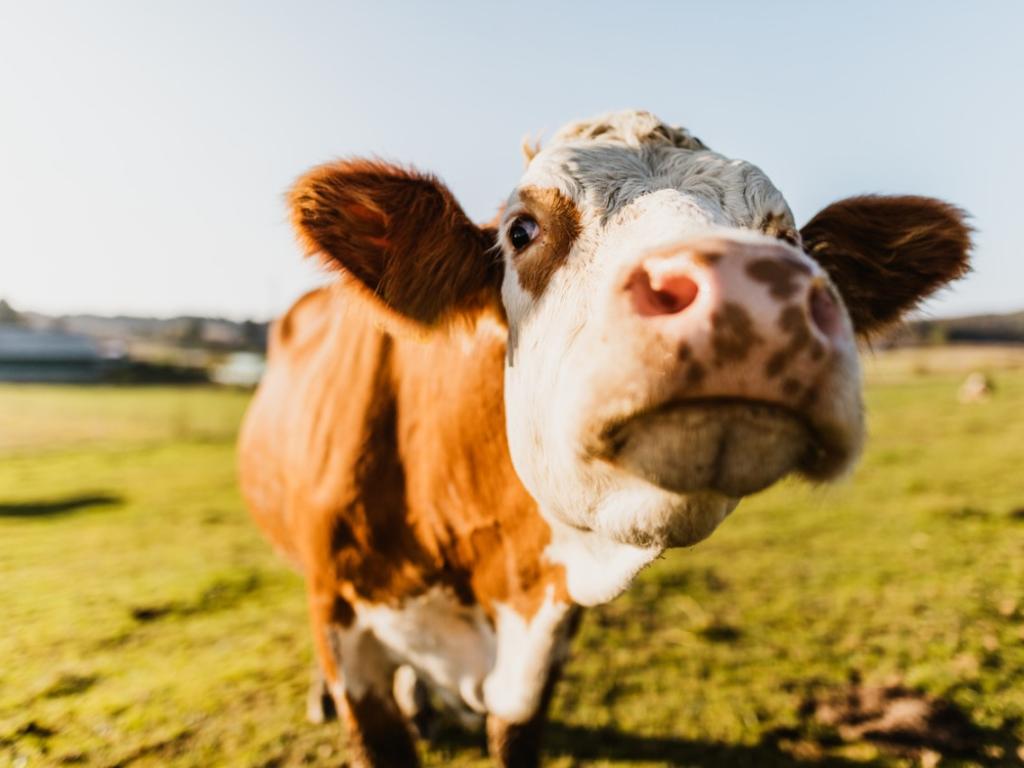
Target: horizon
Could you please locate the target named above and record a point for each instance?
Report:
(144, 170)
(917, 315)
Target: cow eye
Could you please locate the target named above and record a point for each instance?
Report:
(522, 231)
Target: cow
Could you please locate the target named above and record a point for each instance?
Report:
(476, 430)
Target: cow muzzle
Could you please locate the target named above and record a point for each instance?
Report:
(747, 351)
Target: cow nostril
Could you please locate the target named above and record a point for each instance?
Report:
(668, 295)
(824, 310)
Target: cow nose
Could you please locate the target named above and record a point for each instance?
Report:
(662, 288)
(669, 285)
(743, 317)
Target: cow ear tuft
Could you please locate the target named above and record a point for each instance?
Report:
(887, 254)
(401, 234)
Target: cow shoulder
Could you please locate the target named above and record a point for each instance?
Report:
(302, 324)
(298, 445)
(380, 463)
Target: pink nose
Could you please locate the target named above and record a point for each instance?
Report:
(665, 292)
(748, 319)
(668, 287)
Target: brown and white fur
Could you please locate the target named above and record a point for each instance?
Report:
(479, 428)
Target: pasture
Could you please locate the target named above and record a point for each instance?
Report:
(146, 622)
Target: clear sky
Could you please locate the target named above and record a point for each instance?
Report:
(145, 146)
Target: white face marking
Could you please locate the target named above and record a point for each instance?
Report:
(597, 568)
(574, 354)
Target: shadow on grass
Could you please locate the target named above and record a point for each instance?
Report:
(610, 744)
(988, 748)
(583, 743)
(221, 594)
(55, 507)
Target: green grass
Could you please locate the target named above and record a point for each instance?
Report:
(147, 622)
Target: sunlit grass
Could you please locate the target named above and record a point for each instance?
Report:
(147, 622)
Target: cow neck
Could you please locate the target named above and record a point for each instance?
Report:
(465, 501)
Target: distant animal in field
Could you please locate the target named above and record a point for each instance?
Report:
(976, 387)
(477, 429)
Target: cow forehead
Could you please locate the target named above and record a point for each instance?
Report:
(607, 163)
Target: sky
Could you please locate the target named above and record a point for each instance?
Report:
(145, 147)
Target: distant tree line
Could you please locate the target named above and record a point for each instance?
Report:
(8, 315)
(190, 332)
(994, 329)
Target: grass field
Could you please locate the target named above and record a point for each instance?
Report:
(147, 623)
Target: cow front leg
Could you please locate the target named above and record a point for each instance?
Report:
(359, 676)
(517, 743)
(379, 734)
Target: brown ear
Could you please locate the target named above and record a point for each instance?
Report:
(399, 233)
(886, 254)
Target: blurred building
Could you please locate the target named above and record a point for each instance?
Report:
(27, 354)
(240, 369)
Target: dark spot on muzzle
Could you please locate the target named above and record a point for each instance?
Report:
(782, 276)
(793, 323)
(732, 333)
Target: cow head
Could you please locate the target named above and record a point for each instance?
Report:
(675, 342)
